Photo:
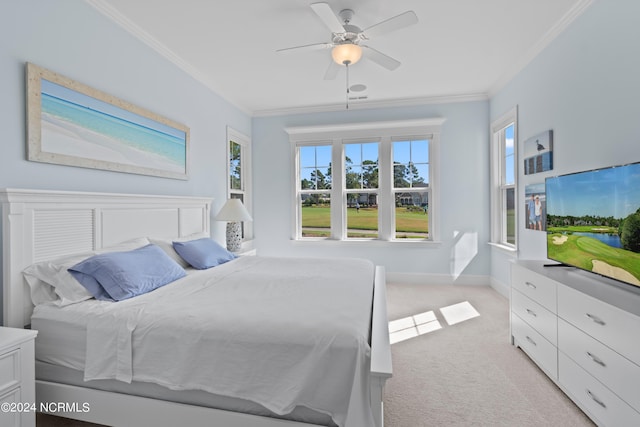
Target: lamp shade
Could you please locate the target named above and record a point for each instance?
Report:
(346, 53)
(233, 210)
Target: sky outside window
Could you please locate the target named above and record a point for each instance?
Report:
(315, 162)
(509, 158)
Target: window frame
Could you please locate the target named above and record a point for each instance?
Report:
(384, 133)
(346, 191)
(412, 189)
(299, 191)
(234, 136)
(499, 188)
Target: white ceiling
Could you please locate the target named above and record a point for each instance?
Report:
(459, 50)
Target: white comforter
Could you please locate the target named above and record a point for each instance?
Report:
(281, 332)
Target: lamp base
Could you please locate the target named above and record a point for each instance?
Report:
(234, 236)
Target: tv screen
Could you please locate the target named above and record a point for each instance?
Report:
(593, 221)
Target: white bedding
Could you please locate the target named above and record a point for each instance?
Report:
(277, 331)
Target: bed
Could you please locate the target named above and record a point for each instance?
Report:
(44, 225)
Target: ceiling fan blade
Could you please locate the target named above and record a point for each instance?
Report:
(306, 47)
(381, 59)
(397, 22)
(332, 70)
(326, 14)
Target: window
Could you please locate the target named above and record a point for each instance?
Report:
(239, 174)
(366, 181)
(504, 205)
(411, 188)
(314, 195)
(361, 179)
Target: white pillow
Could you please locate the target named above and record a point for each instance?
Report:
(54, 274)
(167, 246)
(51, 282)
(41, 292)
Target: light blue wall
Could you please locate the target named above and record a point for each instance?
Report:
(585, 86)
(464, 205)
(73, 39)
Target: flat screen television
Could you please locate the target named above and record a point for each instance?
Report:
(593, 221)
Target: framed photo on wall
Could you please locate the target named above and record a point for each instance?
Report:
(69, 123)
(538, 153)
(535, 207)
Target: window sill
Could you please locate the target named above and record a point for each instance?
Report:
(366, 242)
(508, 249)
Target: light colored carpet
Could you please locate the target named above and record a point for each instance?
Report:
(465, 374)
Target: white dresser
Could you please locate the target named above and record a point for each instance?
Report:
(583, 331)
(17, 378)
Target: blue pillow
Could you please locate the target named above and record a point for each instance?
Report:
(122, 275)
(203, 253)
(91, 285)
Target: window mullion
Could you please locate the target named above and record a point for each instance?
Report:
(338, 198)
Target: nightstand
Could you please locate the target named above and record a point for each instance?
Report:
(17, 377)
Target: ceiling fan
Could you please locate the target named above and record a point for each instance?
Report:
(347, 39)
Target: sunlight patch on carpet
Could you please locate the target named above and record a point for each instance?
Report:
(413, 326)
(460, 312)
(423, 323)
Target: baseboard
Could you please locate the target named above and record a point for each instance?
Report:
(500, 287)
(437, 279)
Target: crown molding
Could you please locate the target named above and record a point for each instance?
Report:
(564, 22)
(114, 15)
(368, 105)
(103, 7)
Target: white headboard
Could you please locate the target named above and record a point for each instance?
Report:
(38, 225)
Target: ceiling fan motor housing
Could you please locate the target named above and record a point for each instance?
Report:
(350, 35)
(346, 15)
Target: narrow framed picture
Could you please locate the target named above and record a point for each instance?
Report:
(69, 123)
(535, 207)
(538, 153)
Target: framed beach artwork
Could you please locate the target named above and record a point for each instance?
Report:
(538, 153)
(535, 207)
(69, 123)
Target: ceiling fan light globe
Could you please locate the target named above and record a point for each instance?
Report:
(347, 53)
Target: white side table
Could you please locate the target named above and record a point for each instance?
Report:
(17, 377)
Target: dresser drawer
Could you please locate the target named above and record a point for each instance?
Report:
(9, 370)
(596, 399)
(539, 288)
(538, 317)
(614, 371)
(535, 345)
(606, 323)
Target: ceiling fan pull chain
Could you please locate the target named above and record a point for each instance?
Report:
(347, 65)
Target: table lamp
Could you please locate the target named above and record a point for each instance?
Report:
(234, 213)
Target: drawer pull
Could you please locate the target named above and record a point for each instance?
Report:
(532, 313)
(595, 399)
(596, 359)
(531, 340)
(531, 285)
(596, 319)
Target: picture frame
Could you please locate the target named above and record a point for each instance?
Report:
(72, 124)
(538, 153)
(535, 207)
